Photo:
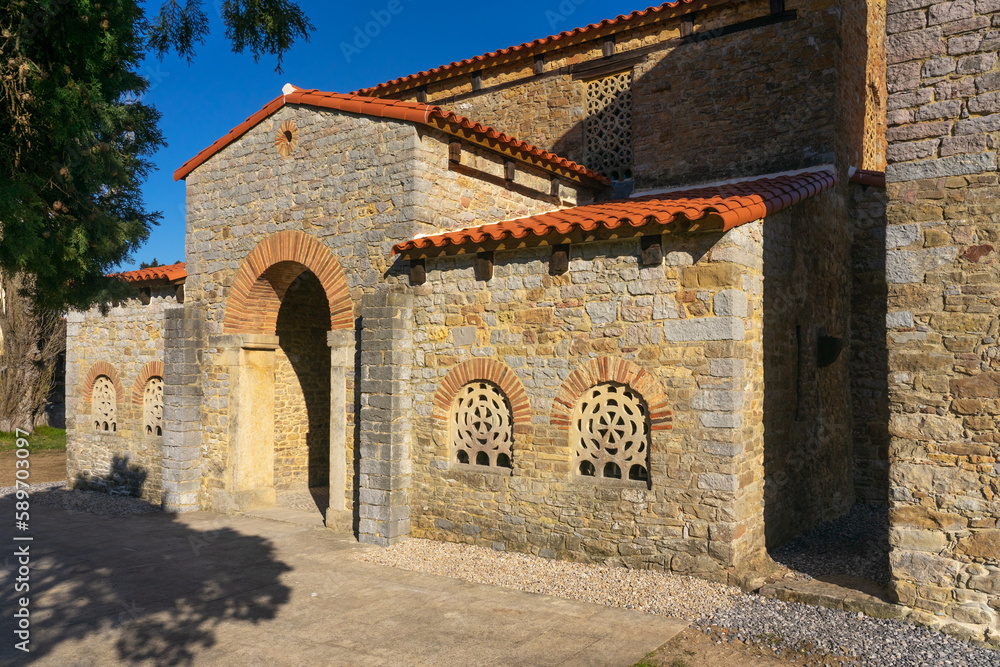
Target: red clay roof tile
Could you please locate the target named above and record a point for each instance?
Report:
(868, 177)
(169, 272)
(735, 203)
(550, 43)
(424, 114)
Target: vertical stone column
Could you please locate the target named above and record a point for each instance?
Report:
(386, 362)
(182, 396)
(341, 342)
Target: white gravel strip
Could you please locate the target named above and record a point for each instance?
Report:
(55, 494)
(645, 590)
(800, 629)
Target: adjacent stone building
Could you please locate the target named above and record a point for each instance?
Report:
(650, 330)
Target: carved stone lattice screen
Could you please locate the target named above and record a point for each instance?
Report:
(152, 407)
(481, 426)
(608, 133)
(611, 434)
(104, 405)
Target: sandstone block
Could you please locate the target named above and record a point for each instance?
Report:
(704, 329)
(711, 276)
(981, 544)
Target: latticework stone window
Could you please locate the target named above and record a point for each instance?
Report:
(104, 405)
(608, 133)
(611, 434)
(481, 426)
(152, 407)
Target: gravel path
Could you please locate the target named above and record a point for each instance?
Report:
(55, 494)
(644, 590)
(715, 608)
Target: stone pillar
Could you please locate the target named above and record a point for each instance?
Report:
(386, 362)
(341, 342)
(249, 481)
(182, 419)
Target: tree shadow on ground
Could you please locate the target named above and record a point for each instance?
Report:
(157, 586)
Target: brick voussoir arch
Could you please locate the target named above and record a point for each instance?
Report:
(264, 275)
(151, 370)
(609, 369)
(97, 370)
(492, 371)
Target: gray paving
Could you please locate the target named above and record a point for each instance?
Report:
(208, 589)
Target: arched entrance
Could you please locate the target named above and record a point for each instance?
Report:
(302, 397)
(289, 326)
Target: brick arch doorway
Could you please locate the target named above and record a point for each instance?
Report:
(289, 324)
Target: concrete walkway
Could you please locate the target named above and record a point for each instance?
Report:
(209, 589)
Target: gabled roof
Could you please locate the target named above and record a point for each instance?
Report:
(422, 114)
(719, 207)
(543, 45)
(168, 273)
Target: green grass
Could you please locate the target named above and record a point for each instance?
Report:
(44, 437)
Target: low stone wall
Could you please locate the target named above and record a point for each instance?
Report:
(126, 346)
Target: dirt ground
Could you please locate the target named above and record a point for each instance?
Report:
(45, 466)
(693, 648)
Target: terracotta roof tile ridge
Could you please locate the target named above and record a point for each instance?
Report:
(525, 49)
(162, 272)
(378, 107)
(735, 203)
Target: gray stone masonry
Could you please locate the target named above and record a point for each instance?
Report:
(182, 398)
(386, 362)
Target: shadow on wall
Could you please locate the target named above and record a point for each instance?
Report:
(720, 114)
(123, 479)
(151, 588)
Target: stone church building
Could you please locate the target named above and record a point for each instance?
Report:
(664, 291)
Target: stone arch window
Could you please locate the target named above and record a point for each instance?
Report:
(610, 433)
(482, 431)
(152, 407)
(104, 405)
(608, 130)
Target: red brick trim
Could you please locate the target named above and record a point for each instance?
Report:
(97, 370)
(608, 369)
(265, 274)
(496, 372)
(153, 369)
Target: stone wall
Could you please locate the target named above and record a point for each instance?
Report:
(702, 101)
(686, 332)
(357, 185)
(943, 280)
(126, 345)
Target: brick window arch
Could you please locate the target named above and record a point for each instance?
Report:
(605, 402)
(102, 392)
(484, 408)
(104, 405)
(266, 273)
(147, 396)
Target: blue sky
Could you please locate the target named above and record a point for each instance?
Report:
(203, 101)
